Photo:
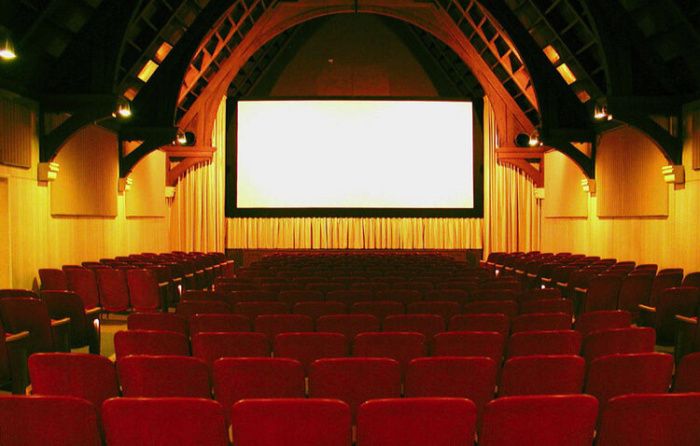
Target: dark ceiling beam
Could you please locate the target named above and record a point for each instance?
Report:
(621, 41)
(156, 104)
(564, 118)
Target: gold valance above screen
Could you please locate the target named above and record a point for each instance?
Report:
(354, 233)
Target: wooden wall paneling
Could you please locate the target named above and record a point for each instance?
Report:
(17, 129)
(147, 195)
(564, 196)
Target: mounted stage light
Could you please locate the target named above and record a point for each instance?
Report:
(522, 140)
(601, 113)
(534, 139)
(185, 138)
(123, 108)
(7, 46)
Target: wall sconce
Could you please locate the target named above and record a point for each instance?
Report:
(125, 184)
(588, 185)
(539, 193)
(184, 138)
(47, 171)
(169, 191)
(600, 113)
(674, 174)
(123, 109)
(7, 46)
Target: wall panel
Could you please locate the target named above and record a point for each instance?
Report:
(564, 196)
(147, 195)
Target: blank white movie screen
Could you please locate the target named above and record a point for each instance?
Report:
(355, 154)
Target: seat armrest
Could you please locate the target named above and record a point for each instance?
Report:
(17, 345)
(93, 313)
(647, 316)
(60, 329)
(686, 328)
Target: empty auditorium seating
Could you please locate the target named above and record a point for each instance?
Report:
(541, 322)
(613, 375)
(271, 422)
(416, 421)
(445, 309)
(404, 296)
(55, 420)
(53, 279)
(144, 293)
(235, 379)
(542, 375)
(427, 324)
(617, 340)
(539, 420)
(308, 347)
(379, 309)
(218, 323)
(635, 290)
(83, 282)
(255, 309)
(84, 325)
(349, 297)
(212, 346)
(234, 297)
(150, 342)
(687, 378)
(157, 321)
(507, 307)
(651, 419)
(86, 376)
(163, 376)
(113, 289)
(203, 295)
(187, 309)
(164, 421)
(355, 380)
(548, 306)
(317, 309)
(670, 302)
(348, 324)
(401, 346)
(292, 297)
(273, 324)
(587, 323)
(469, 343)
(561, 342)
(32, 315)
(481, 322)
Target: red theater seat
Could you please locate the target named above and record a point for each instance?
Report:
(561, 342)
(542, 375)
(212, 346)
(157, 321)
(308, 347)
(161, 376)
(348, 324)
(470, 344)
(226, 323)
(150, 342)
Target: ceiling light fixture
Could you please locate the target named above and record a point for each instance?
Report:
(7, 46)
(534, 139)
(123, 108)
(601, 113)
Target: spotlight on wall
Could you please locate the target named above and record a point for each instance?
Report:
(600, 113)
(125, 184)
(522, 140)
(588, 185)
(673, 174)
(7, 46)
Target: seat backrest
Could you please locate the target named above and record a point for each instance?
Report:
(671, 302)
(273, 324)
(162, 421)
(373, 286)
(150, 342)
(416, 421)
(212, 346)
(292, 297)
(635, 290)
(28, 314)
(669, 278)
(348, 324)
(691, 279)
(53, 279)
(452, 376)
(67, 304)
(445, 309)
(542, 375)
(255, 309)
(541, 322)
(308, 347)
(539, 420)
(349, 297)
(499, 323)
(187, 309)
(665, 419)
(401, 346)
(613, 375)
(84, 283)
(538, 294)
(17, 292)
(548, 306)
(427, 324)
(490, 295)
(144, 293)
(234, 297)
(687, 377)
(355, 380)
(560, 342)
(587, 323)
(459, 297)
(245, 378)
(379, 309)
(403, 295)
(507, 307)
(227, 323)
(462, 285)
(602, 293)
(167, 375)
(41, 419)
(204, 295)
(317, 309)
(618, 340)
(469, 343)
(157, 321)
(114, 292)
(91, 377)
(291, 421)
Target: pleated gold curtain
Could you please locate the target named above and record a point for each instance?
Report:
(511, 212)
(197, 221)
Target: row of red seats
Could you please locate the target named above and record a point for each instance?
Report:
(535, 420)
(355, 380)
(402, 346)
